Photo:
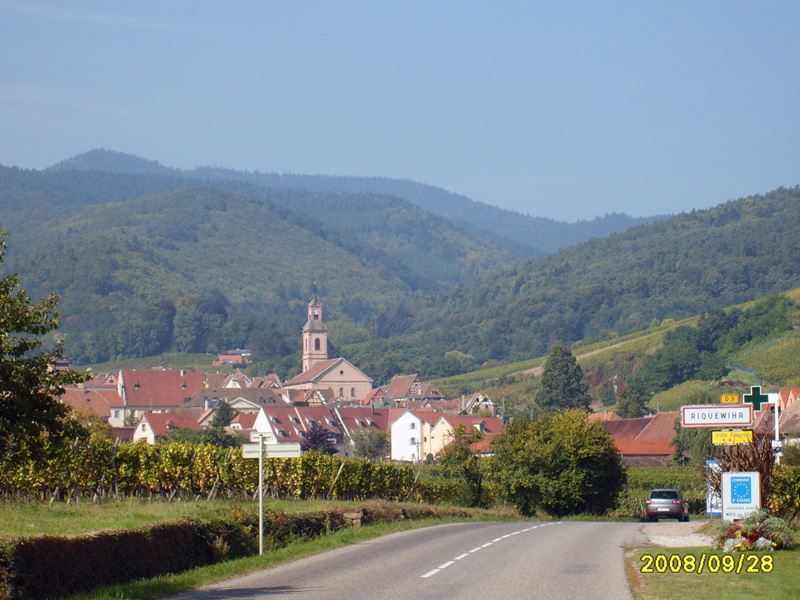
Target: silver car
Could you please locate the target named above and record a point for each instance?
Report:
(668, 503)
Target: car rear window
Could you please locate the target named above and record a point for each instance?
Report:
(664, 495)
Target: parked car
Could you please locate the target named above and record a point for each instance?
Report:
(666, 502)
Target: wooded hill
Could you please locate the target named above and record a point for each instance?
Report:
(146, 263)
(737, 251)
(522, 234)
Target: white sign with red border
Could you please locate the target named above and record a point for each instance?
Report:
(739, 415)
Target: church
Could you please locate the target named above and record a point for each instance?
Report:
(347, 382)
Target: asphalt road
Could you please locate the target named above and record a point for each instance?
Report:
(465, 561)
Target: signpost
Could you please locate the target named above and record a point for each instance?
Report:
(266, 447)
(717, 416)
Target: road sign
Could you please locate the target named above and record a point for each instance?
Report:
(728, 438)
(741, 494)
(262, 437)
(756, 398)
(261, 450)
(285, 450)
(740, 415)
(730, 399)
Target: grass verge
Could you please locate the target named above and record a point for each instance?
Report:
(677, 578)
(161, 587)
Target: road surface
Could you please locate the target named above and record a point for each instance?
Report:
(464, 561)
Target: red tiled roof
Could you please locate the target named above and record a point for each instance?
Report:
(660, 427)
(626, 429)
(400, 386)
(246, 420)
(357, 418)
(97, 401)
(163, 423)
(161, 388)
(647, 448)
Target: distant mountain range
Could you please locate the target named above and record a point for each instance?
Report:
(149, 259)
(525, 235)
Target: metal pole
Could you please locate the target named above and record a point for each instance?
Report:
(260, 495)
(777, 431)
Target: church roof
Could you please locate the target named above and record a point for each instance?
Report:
(319, 369)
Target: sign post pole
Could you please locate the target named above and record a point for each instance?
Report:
(260, 495)
(265, 446)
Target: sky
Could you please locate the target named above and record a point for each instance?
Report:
(565, 110)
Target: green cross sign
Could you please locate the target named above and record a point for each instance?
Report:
(755, 397)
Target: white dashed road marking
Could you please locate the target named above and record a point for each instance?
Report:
(486, 545)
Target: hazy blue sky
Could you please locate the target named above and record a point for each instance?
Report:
(560, 109)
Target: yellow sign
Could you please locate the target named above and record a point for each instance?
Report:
(719, 438)
(730, 398)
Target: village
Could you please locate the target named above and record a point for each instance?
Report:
(333, 395)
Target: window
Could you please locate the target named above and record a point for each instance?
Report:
(352, 392)
(116, 414)
(341, 392)
(316, 343)
(412, 425)
(295, 420)
(413, 441)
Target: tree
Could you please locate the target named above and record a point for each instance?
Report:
(632, 401)
(370, 443)
(457, 460)
(224, 414)
(562, 384)
(318, 440)
(560, 463)
(31, 417)
(215, 436)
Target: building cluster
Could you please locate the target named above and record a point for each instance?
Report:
(334, 395)
(330, 393)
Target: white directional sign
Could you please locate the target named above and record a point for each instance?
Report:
(739, 415)
(262, 436)
(284, 450)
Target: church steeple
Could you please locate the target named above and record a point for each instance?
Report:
(315, 334)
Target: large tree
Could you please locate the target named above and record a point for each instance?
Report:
(561, 463)
(562, 384)
(31, 417)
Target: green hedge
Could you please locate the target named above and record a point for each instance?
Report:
(37, 568)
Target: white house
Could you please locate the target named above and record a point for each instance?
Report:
(411, 435)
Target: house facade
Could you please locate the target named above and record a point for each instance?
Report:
(152, 426)
(411, 435)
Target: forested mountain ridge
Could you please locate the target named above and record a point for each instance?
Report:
(737, 251)
(148, 263)
(524, 234)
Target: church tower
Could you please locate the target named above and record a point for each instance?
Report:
(315, 335)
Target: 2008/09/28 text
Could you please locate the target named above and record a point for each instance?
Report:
(708, 563)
